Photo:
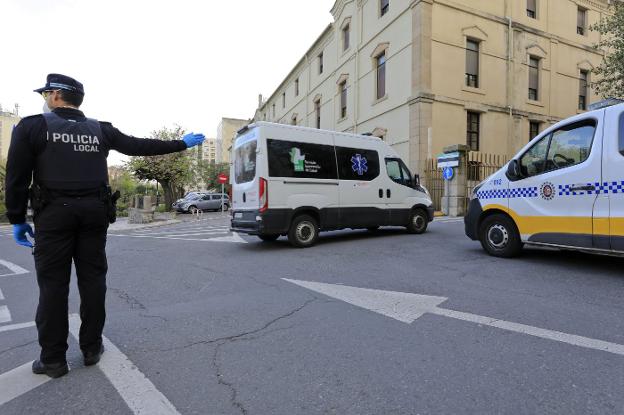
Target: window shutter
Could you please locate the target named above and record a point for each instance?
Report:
(531, 5)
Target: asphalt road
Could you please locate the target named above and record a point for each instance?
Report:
(201, 321)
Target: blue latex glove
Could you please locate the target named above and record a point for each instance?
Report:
(192, 139)
(19, 234)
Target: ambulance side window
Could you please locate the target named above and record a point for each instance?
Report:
(622, 134)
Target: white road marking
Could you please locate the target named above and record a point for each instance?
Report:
(15, 269)
(137, 391)
(18, 381)
(408, 307)
(5, 314)
(17, 326)
(448, 220)
(234, 238)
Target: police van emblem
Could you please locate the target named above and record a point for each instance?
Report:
(547, 191)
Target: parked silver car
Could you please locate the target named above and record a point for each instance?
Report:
(211, 201)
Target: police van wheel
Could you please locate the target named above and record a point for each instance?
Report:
(269, 238)
(500, 237)
(303, 231)
(418, 222)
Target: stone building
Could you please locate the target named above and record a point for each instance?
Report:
(425, 74)
(7, 121)
(226, 131)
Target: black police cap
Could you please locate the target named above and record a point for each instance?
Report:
(57, 81)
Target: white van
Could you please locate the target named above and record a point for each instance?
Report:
(297, 181)
(565, 189)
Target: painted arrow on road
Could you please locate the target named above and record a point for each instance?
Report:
(408, 307)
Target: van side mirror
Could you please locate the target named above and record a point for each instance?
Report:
(513, 170)
(417, 180)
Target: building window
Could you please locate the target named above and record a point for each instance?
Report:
(532, 8)
(345, 37)
(472, 63)
(294, 120)
(581, 19)
(583, 84)
(283, 99)
(317, 113)
(320, 62)
(297, 87)
(381, 75)
(343, 99)
(534, 78)
(472, 131)
(273, 110)
(534, 129)
(384, 6)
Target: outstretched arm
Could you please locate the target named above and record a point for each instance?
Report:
(133, 146)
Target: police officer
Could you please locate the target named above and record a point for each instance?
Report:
(64, 154)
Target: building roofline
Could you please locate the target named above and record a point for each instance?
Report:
(326, 31)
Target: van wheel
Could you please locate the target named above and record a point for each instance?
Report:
(193, 210)
(303, 231)
(499, 236)
(418, 222)
(269, 238)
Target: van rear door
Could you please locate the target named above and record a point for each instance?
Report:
(244, 174)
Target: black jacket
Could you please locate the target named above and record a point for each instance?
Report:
(29, 140)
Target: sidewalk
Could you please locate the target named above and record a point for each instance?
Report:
(122, 224)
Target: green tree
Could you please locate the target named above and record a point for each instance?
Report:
(610, 73)
(172, 171)
(209, 172)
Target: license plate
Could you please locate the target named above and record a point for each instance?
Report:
(238, 215)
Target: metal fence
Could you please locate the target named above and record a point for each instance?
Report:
(434, 182)
(480, 167)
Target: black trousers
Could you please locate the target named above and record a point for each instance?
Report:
(70, 229)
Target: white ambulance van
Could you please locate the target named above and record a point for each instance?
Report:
(565, 189)
(297, 181)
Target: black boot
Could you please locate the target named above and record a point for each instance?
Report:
(91, 358)
(54, 370)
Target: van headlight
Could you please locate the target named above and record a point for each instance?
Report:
(476, 190)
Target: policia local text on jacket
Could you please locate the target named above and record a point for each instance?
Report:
(65, 153)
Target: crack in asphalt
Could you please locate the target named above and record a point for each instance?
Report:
(131, 301)
(149, 316)
(215, 357)
(17, 347)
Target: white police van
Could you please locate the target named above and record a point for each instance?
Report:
(565, 189)
(297, 181)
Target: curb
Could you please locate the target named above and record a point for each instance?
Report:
(131, 227)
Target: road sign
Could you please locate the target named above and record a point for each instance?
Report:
(448, 173)
(408, 307)
(222, 178)
(448, 160)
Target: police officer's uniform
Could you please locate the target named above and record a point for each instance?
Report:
(65, 155)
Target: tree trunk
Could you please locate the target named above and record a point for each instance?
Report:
(169, 194)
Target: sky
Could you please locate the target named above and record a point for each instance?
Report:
(152, 64)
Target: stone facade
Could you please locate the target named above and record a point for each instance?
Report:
(427, 97)
(226, 131)
(7, 121)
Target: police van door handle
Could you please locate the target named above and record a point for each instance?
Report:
(381, 193)
(582, 188)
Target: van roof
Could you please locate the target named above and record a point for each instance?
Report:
(301, 128)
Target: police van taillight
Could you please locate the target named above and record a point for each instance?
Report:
(264, 195)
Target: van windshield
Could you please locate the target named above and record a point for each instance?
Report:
(245, 158)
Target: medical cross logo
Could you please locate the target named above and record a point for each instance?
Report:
(297, 159)
(359, 164)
